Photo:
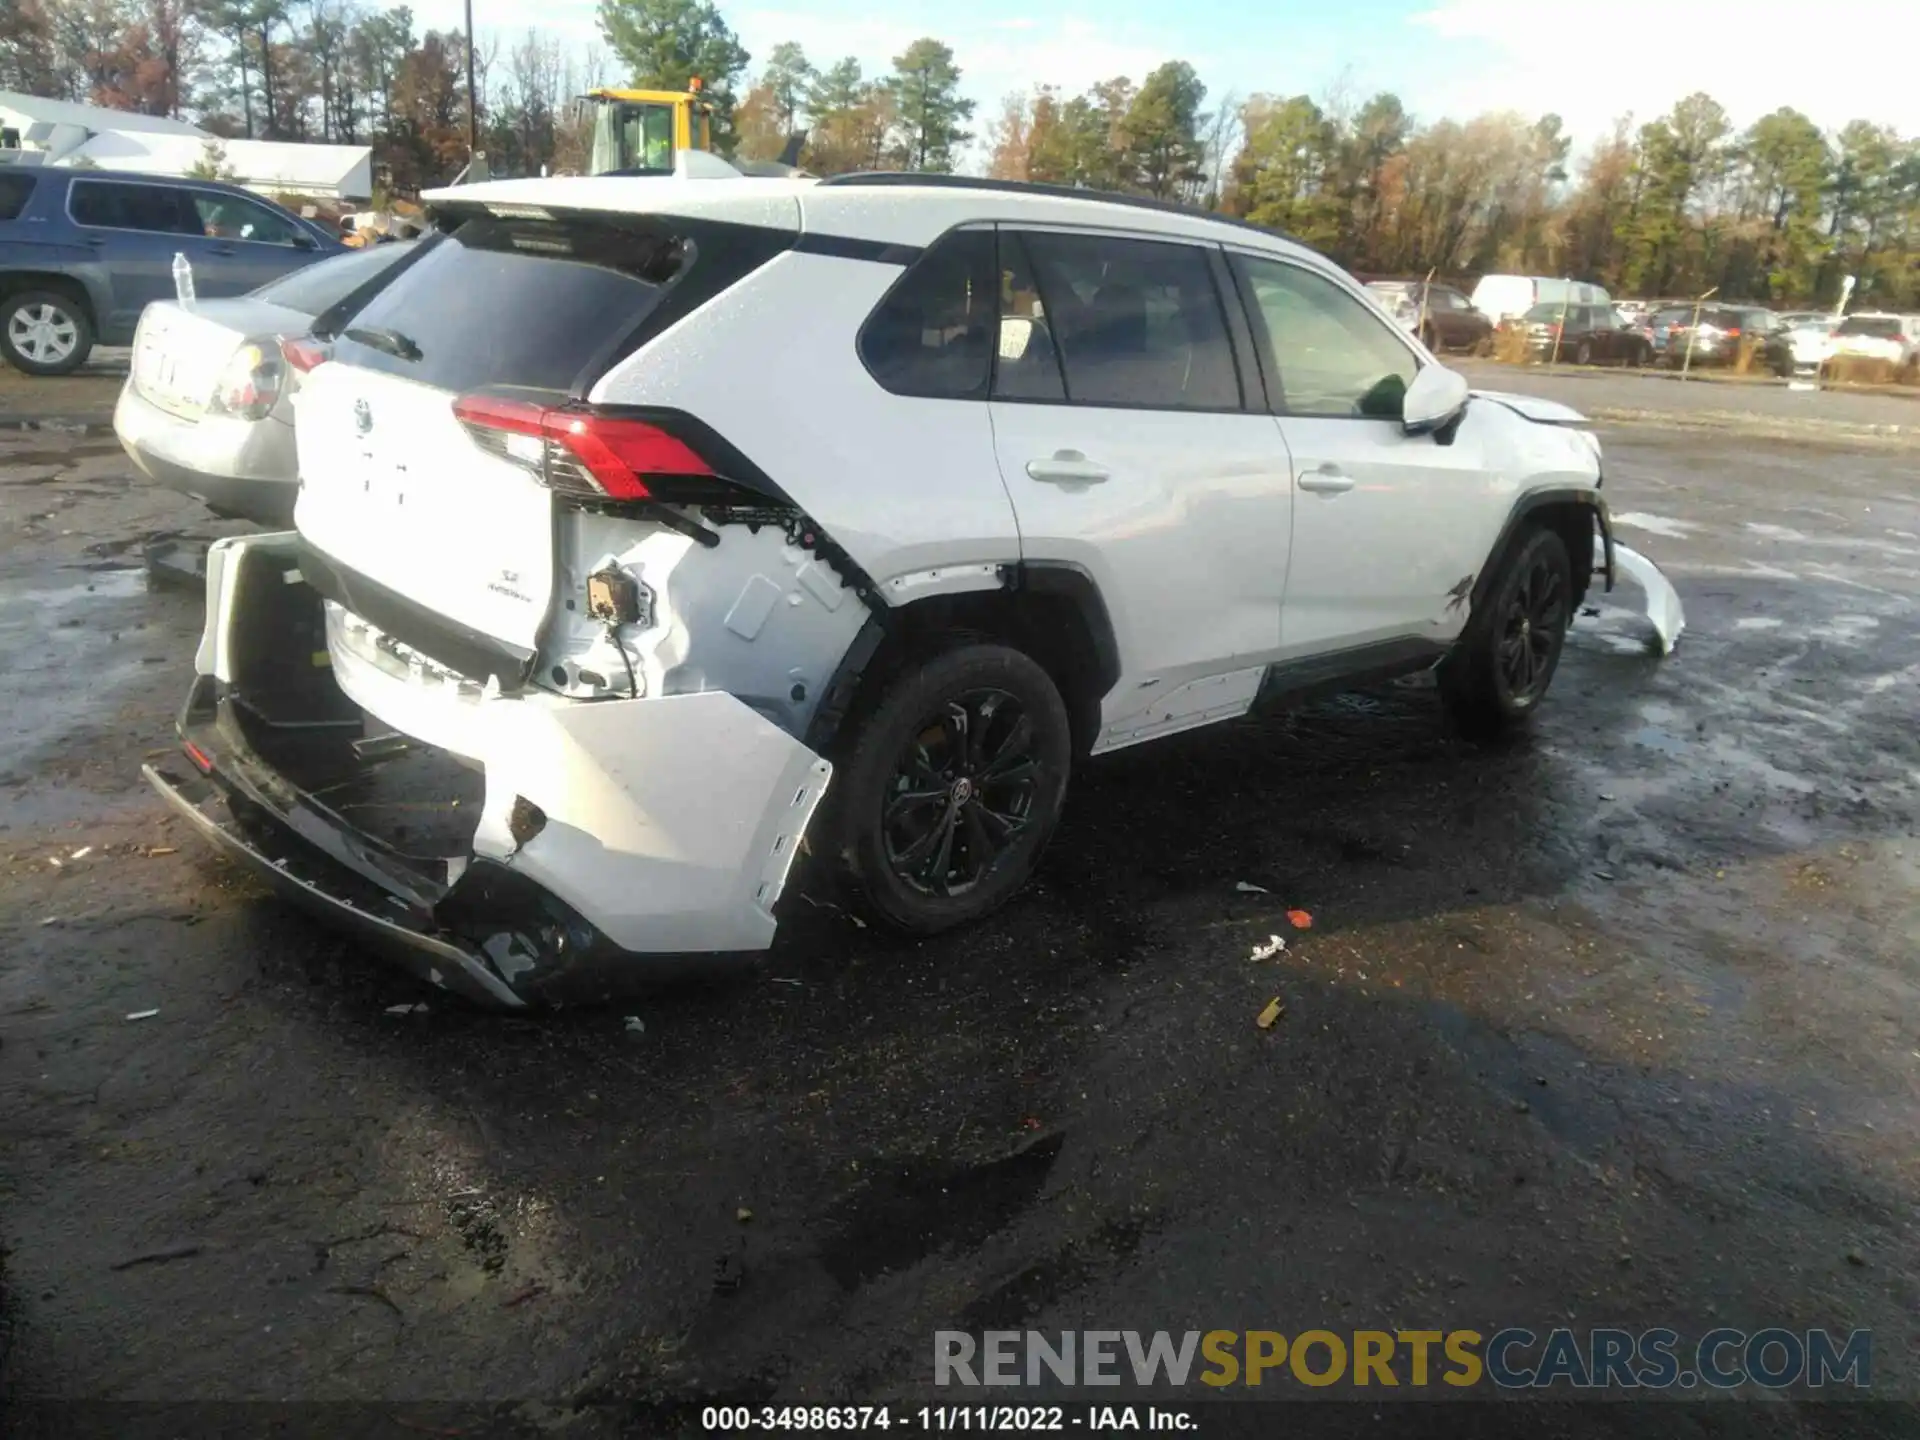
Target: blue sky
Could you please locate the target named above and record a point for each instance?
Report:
(1589, 62)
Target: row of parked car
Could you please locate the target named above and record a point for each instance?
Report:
(1579, 323)
(84, 252)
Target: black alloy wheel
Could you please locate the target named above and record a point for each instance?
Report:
(1532, 630)
(949, 786)
(962, 793)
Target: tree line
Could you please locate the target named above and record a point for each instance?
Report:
(1780, 211)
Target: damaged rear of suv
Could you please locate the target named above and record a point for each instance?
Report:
(649, 530)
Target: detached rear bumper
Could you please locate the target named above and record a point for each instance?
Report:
(504, 847)
(419, 947)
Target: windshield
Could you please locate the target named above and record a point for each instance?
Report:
(313, 288)
(637, 136)
(1883, 327)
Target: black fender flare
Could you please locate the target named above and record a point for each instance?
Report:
(1523, 510)
(1060, 578)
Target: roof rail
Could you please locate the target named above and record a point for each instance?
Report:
(1059, 192)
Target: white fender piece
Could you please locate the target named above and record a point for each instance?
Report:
(1663, 602)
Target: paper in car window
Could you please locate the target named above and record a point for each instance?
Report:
(1016, 333)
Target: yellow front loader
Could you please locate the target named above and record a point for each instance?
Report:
(638, 132)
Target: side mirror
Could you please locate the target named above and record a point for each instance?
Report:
(304, 241)
(1435, 398)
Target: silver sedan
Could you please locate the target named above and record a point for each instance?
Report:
(206, 411)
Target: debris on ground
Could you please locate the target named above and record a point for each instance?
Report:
(175, 562)
(1246, 888)
(532, 1292)
(81, 853)
(142, 1014)
(743, 1214)
(1300, 919)
(785, 980)
(159, 850)
(419, 1007)
(159, 1257)
(1266, 1018)
(635, 1025)
(1267, 951)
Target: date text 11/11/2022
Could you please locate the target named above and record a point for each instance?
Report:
(938, 1419)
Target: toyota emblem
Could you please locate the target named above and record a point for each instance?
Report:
(362, 417)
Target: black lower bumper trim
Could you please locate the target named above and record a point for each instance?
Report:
(435, 957)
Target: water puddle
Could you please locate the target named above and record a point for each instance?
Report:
(68, 647)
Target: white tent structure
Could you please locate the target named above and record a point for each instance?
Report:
(58, 132)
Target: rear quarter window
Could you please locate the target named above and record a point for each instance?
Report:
(14, 193)
(932, 334)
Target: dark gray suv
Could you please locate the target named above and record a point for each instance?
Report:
(83, 252)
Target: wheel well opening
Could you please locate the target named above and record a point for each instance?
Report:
(1573, 523)
(1049, 626)
(20, 282)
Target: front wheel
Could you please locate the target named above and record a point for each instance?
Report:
(1500, 670)
(43, 332)
(952, 787)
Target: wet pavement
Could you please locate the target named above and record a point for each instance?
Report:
(1612, 1026)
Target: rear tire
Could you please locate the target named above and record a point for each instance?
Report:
(1583, 353)
(43, 332)
(1430, 339)
(951, 788)
(1483, 347)
(1498, 673)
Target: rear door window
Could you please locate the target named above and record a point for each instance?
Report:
(932, 334)
(120, 205)
(523, 304)
(14, 190)
(1138, 323)
(1026, 362)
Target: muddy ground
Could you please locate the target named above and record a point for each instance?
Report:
(1615, 1026)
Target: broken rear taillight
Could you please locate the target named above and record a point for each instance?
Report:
(302, 352)
(575, 451)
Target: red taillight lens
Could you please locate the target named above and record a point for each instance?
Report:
(575, 451)
(199, 757)
(302, 352)
(249, 385)
(1733, 332)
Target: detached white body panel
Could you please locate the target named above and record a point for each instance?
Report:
(670, 822)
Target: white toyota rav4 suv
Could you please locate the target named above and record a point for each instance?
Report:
(650, 528)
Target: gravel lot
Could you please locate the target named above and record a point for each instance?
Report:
(1615, 1026)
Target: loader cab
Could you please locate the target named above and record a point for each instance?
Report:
(638, 132)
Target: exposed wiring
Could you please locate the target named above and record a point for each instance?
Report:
(633, 681)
